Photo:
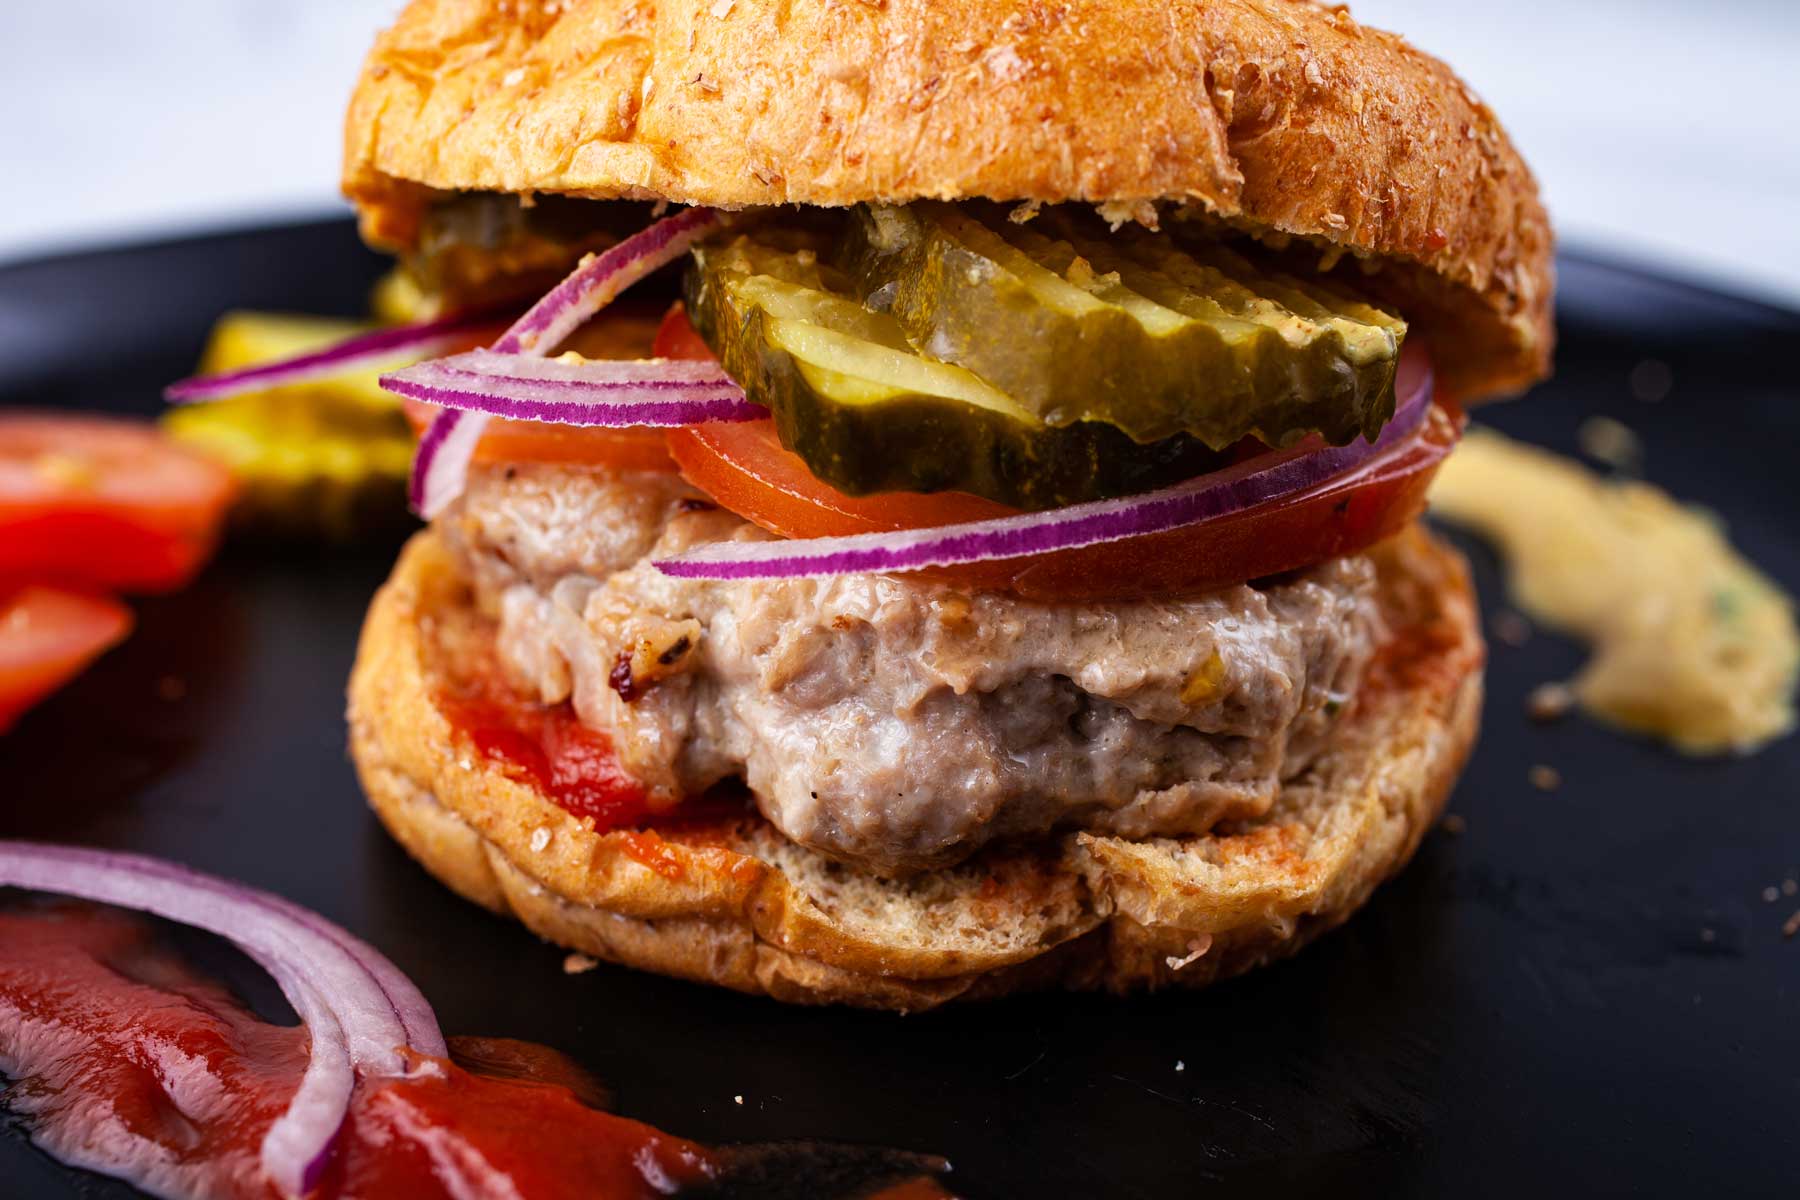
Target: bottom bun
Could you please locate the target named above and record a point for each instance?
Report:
(732, 901)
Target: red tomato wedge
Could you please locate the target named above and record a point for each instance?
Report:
(745, 468)
(676, 337)
(105, 502)
(536, 441)
(47, 635)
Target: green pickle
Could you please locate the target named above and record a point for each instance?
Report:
(324, 459)
(1153, 336)
(868, 413)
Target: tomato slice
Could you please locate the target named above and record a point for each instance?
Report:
(47, 635)
(105, 502)
(536, 441)
(745, 468)
(1340, 516)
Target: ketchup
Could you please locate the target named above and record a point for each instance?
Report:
(125, 1062)
(547, 746)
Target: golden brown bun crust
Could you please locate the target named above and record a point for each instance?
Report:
(1276, 115)
(737, 904)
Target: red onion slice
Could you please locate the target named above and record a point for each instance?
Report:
(612, 393)
(409, 1005)
(441, 463)
(1208, 497)
(601, 277)
(363, 350)
(441, 466)
(359, 1010)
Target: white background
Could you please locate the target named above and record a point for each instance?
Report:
(1667, 130)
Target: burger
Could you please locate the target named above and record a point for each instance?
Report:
(946, 521)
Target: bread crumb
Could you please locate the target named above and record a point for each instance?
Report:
(1180, 1066)
(1119, 213)
(575, 964)
(1511, 628)
(737, 1099)
(1454, 824)
(540, 838)
(1771, 894)
(1197, 947)
(1789, 887)
(1549, 702)
(1792, 925)
(1545, 778)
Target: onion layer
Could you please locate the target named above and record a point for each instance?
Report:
(358, 1008)
(612, 393)
(1255, 481)
(441, 466)
(363, 350)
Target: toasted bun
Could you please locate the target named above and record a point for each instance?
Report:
(736, 903)
(1284, 119)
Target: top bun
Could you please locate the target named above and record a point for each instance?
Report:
(1285, 120)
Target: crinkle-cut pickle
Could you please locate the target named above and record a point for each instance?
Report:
(1153, 335)
(869, 413)
(310, 467)
(324, 459)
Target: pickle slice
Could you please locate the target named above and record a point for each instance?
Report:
(1153, 337)
(317, 468)
(868, 413)
(327, 458)
(481, 248)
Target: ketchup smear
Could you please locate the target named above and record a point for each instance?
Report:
(545, 745)
(127, 1063)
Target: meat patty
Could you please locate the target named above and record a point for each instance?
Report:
(891, 722)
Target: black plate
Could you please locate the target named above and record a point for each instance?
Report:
(1583, 992)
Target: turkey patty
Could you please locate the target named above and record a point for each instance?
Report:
(891, 722)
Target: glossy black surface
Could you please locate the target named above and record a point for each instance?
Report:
(1583, 992)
